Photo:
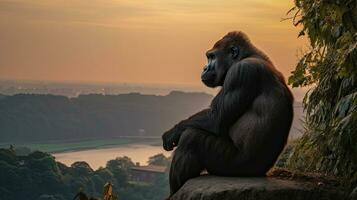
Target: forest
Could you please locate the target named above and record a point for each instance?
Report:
(329, 144)
(39, 176)
(37, 118)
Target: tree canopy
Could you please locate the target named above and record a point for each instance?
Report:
(329, 144)
(38, 176)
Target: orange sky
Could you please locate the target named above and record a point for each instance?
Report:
(141, 41)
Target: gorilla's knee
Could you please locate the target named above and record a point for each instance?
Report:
(191, 139)
(186, 136)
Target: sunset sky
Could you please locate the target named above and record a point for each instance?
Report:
(135, 41)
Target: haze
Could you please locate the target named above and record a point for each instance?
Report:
(135, 41)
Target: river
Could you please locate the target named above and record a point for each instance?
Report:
(98, 157)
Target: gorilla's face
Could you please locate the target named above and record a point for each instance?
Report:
(219, 58)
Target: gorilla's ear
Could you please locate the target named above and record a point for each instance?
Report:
(235, 52)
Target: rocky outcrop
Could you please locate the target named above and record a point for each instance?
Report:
(262, 188)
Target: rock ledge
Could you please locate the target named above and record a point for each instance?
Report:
(259, 188)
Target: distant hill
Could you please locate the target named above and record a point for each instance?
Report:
(36, 118)
(41, 118)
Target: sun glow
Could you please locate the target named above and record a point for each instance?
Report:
(150, 41)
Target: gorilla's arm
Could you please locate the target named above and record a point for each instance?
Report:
(239, 90)
(202, 120)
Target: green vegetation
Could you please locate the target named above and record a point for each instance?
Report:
(329, 145)
(38, 176)
(159, 159)
(27, 118)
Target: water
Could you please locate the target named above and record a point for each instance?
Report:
(98, 157)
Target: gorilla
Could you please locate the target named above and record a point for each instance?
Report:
(247, 124)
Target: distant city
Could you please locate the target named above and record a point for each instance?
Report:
(74, 89)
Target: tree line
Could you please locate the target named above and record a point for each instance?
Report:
(38, 176)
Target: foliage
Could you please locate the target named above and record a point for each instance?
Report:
(39, 176)
(286, 154)
(329, 67)
(22, 151)
(120, 168)
(30, 118)
(159, 159)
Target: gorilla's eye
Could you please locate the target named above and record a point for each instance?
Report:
(235, 51)
(211, 56)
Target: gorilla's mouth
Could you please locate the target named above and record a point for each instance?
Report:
(210, 82)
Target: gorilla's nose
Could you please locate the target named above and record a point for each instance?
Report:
(205, 68)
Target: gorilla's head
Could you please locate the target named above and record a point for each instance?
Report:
(227, 51)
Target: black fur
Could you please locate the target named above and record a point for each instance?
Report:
(247, 124)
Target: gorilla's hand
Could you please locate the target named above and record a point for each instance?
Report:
(201, 120)
(171, 138)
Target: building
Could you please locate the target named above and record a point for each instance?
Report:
(146, 174)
